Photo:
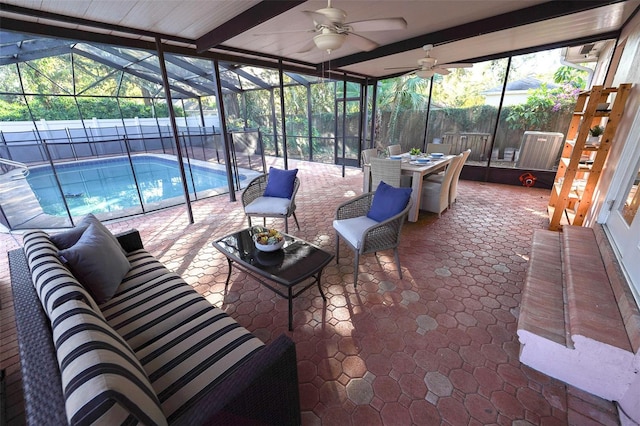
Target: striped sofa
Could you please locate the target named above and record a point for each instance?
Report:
(155, 353)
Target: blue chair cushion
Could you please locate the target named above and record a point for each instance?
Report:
(280, 183)
(388, 201)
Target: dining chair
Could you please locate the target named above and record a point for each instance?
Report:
(272, 195)
(383, 169)
(372, 222)
(435, 195)
(368, 154)
(453, 187)
(444, 148)
(395, 149)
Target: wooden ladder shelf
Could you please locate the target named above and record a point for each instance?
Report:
(582, 161)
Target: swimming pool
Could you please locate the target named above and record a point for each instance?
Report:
(108, 185)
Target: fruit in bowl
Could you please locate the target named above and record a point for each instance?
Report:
(268, 240)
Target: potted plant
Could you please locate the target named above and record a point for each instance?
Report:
(414, 152)
(595, 133)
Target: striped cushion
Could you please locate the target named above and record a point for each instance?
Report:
(54, 283)
(185, 344)
(103, 382)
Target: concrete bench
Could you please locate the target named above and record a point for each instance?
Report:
(578, 319)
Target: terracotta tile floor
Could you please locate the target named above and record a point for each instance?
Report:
(437, 347)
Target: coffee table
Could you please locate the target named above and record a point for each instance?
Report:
(293, 264)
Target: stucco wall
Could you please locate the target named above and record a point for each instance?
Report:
(628, 71)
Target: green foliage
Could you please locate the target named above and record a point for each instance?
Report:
(541, 105)
(65, 108)
(13, 111)
(596, 131)
(571, 76)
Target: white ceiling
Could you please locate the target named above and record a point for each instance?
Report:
(428, 22)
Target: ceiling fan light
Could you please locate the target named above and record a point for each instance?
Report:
(425, 73)
(329, 41)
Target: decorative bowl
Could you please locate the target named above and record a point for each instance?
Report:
(396, 157)
(268, 240)
(423, 160)
(437, 154)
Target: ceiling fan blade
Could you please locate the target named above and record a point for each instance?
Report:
(307, 47)
(319, 18)
(384, 24)
(413, 67)
(360, 42)
(458, 65)
(282, 32)
(441, 71)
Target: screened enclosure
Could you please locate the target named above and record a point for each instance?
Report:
(207, 124)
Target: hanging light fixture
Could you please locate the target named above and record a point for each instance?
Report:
(329, 41)
(425, 73)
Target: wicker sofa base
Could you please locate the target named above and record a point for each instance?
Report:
(246, 395)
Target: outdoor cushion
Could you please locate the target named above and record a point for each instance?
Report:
(97, 262)
(353, 229)
(53, 282)
(199, 344)
(67, 239)
(280, 183)
(103, 381)
(388, 201)
(268, 205)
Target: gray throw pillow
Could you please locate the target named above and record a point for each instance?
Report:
(97, 262)
(66, 239)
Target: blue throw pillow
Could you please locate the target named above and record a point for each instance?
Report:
(280, 183)
(388, 202)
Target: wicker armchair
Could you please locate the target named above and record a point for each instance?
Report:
(256, 205)
(364, 235)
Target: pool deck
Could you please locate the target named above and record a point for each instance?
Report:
(24, 211)
(438, 346)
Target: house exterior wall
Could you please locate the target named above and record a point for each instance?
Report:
(628, 71)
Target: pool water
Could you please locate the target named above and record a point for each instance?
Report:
(106, 185)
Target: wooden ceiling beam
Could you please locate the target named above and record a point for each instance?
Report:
(248, 19)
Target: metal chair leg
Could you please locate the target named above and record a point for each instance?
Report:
(397, 256)
(355, 269)
(296, 219)
(337, 247)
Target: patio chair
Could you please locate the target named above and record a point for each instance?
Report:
(453, 188)
(272, 195)
(383, 169)
(372, 222)
(395, 149)
(444, 148)
(390, 171)
(435, 195)
(368, 154)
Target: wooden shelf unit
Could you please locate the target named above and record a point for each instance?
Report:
(581, 163)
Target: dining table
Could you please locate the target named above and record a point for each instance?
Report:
(417, 171)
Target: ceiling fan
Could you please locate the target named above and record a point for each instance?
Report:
(332, 30)
(428, 66)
